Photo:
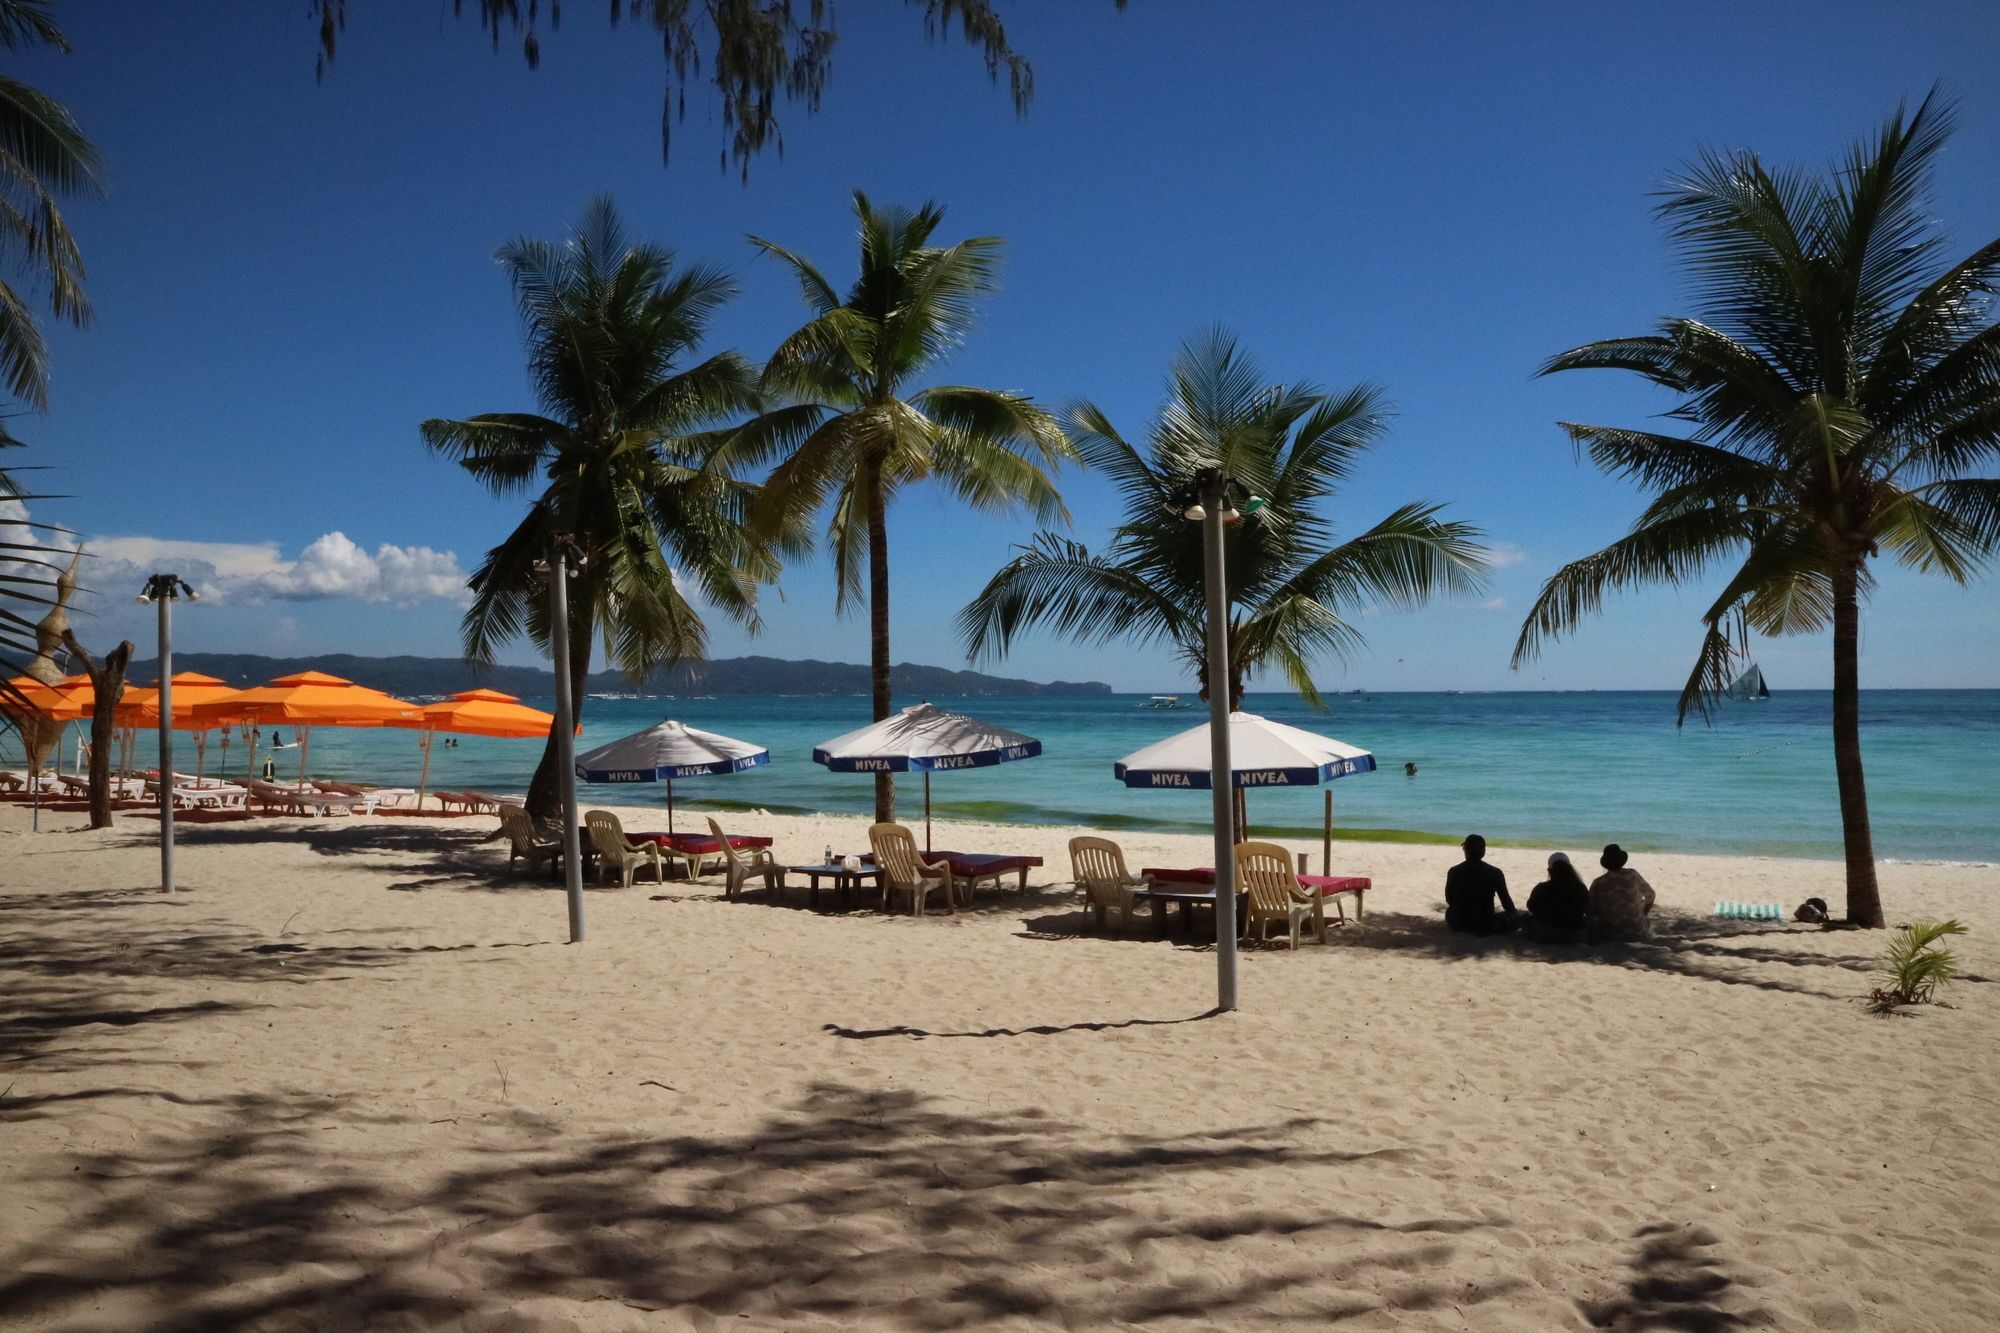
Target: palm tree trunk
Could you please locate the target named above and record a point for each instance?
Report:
(545, 789)
(878, 624)
(1864, 896)
(107, 683)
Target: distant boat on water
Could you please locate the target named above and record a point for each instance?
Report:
(1164, 701)
(1749, 687)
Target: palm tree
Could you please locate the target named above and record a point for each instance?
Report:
(617, 454)
(44, 158)
(858, 432)
(1291, 588)
(1839, 383)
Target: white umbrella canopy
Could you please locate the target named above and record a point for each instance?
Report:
(665, 752)
(1262, 753)
(924, 739)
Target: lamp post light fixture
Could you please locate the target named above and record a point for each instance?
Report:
(559, 571)
(163, 590)
(1215, 500)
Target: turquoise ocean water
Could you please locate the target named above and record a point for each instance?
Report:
(1572, 769)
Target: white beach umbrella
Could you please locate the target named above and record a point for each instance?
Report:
(1262, 753)
(924, 739)
(665, 752)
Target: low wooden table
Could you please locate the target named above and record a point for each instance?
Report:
(845, 881)
(1186, 887)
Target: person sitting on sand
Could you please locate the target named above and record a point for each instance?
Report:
(1558, 904)
(1621, 901)
(1469, 890)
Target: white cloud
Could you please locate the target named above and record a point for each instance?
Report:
(333, 566)
(1505, 555)
(228, 560)
(1494, 604)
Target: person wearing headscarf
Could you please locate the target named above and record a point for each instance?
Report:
(1559, 904)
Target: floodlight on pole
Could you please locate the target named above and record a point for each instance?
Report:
(164, 590)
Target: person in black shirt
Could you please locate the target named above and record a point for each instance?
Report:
(1469, 890)
(1557, 904)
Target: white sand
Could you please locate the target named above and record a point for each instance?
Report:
(352, 1079)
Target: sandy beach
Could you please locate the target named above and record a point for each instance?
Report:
(352, 1078)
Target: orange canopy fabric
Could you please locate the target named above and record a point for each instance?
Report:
(140, 706)
(67, 700)
(308, 698)
(482, 713)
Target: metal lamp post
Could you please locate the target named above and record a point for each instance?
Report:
(1209, 499)
(163, 590)
(558, 569)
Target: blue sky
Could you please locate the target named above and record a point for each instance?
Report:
(289, 276)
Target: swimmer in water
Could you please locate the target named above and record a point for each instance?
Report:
(1409, 770)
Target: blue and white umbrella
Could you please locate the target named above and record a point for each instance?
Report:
(665, 752)
(924, 739)
(1262, 753)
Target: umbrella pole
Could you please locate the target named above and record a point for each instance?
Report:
(305, 739)
(670, 807)
(927, 812)
(200, 754)
(424, 777)
(1326, 838)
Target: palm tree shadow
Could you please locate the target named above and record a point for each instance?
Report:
(1676, 1283)
(1669, 952)
(878, 1205)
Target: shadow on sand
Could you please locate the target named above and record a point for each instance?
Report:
(851, 1203)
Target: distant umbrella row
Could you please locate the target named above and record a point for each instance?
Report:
(920, 739)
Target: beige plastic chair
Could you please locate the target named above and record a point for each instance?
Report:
(1098, 866)
(740, 863)
(615, 851)
(1264, 871)
(527, 843)
(903, 871)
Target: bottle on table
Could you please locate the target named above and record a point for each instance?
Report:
(829, 855)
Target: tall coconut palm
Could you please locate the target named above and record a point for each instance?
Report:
(44, 158)
(859, 430)
(1839, 384)
(1292, 589)
(617, 457)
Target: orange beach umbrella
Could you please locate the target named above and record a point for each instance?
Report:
(139, 709)
(307, 699)
(67, 700)
(474, 713)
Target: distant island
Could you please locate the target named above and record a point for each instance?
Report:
(732, 676)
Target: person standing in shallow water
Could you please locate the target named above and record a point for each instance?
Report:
(1470, 888)
(1621, 901)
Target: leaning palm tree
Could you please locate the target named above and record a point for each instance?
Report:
(1292, 589)
(44, 159)
(858, 430)
(617, 455)
(1839, 384)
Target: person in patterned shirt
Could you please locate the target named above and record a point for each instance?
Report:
(1621, 901)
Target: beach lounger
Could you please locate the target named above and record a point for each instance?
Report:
(903, 871)
(1098, 865)
(617, 852)
(210, 796)
(487, 803)
(1264, 872)
(527, 843)
(740, 863)
(456, 800)
(11, 781)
